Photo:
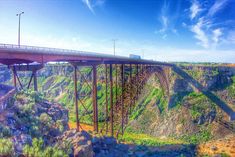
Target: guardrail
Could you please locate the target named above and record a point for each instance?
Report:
(58, 50)
(26, 47)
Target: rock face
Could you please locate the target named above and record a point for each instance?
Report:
(108, 147)
(217, 147)
(29, 118)
(211, 78)
(6, 94)
(5, 74)
(81, 143)
(188, 110)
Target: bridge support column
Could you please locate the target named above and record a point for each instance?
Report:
(29, 67)
(94, 97)
(76, 97)
(116, 88)
(14, 77)
(122, 98)
(106, 98)
(35, 83)
(131, 86)
(111, 98)
(137, 81)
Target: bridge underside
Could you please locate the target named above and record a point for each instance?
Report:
(131, 76)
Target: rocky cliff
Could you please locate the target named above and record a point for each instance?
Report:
(190, 114)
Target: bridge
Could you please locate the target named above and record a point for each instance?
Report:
(133, 76)
(131, 73)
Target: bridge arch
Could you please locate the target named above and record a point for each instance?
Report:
(162, 73)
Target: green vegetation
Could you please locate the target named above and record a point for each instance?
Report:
(198, 74)
(6, 147)
(38, 149)
(143, 139)
(4, 131)
(142, 105)
(220, 154)
(202, 136)
(231, 88)
(60, 88)
(199, 104)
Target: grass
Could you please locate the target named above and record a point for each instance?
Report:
(231, 88)
(202, 136)
(143, 139)
(199, 104)
(6, 147)
(199, 74)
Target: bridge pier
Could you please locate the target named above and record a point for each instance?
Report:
(111, 98)
(33, 68)
(76, 97)
(106, 99)
(116, 88)
(94, 98)
(122, 97)
(131, 88)
(94, 118)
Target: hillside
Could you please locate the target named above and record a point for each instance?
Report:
(186, 116)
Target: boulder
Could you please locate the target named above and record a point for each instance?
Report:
(81, 142)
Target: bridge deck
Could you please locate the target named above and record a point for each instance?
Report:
(14, 54)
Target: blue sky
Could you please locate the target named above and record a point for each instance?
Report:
(165, 30)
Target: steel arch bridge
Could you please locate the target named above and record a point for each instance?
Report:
(131, 76)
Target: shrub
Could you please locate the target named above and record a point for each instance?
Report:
(6, 147)
(4, 131)
(38, 149)
(202, 136)
(142, 139)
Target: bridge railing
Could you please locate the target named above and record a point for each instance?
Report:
(55, 50)
(26, 47)
(59, 51)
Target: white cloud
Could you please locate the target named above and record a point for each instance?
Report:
(194, 9)
(218, 5)
(205, 29)
(100, 3)
(88, 4)
(230, 39)
(200, 34)
(217, 33)
(91, 4)
(164, 20)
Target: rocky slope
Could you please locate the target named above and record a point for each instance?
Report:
(187, 114)
(27, 117)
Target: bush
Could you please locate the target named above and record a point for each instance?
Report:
(143, 139)
(4, 131)
(202, 136)
(6, 147)
(45, 119)
(38, 149)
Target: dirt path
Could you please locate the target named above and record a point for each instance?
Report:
(85, 127)
(220, 146)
